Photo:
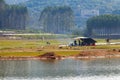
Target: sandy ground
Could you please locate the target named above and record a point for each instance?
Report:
(99, 53)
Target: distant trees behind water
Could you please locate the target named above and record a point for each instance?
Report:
(104, 25)
(57, 19)
(12, 17)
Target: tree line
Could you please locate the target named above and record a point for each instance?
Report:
(103, 25)
(57, 19)
(12, 16)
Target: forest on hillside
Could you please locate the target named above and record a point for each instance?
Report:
(12, 16)
(54, 16)
(35, 7)
(104, 26)
(57, 19)
(104, 6)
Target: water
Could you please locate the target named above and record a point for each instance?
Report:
(68, 69)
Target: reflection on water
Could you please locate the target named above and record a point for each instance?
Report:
(14, 68)
(62, 69)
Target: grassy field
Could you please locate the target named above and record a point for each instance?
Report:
(8, 44)
(23, 48)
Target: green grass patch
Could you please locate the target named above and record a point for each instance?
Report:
(27, 54)
(19, 54)
(67, 53)
(25, 43)
(106, 47)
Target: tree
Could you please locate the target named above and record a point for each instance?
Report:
(103, 25)
(57, 19)
(12, 17)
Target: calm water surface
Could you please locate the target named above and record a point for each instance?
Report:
(68, 69)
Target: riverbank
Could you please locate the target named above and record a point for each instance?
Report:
(33, 49)
(61, 54)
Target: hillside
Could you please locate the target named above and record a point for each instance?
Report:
(15, 1)
(57, 20)
(12, 16)
(83, 9)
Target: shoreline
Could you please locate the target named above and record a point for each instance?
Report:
(84, 54)
(37, 58)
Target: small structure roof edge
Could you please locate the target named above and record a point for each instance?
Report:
(76, 38)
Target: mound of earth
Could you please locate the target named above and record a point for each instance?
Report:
(50, 55)
(97, 53)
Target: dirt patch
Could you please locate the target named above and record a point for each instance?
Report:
(98, 53)
(50, 55)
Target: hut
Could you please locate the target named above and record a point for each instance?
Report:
(85, 41)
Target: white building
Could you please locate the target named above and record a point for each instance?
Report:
(89, 13)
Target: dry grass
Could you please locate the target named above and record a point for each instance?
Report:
(25, 48)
